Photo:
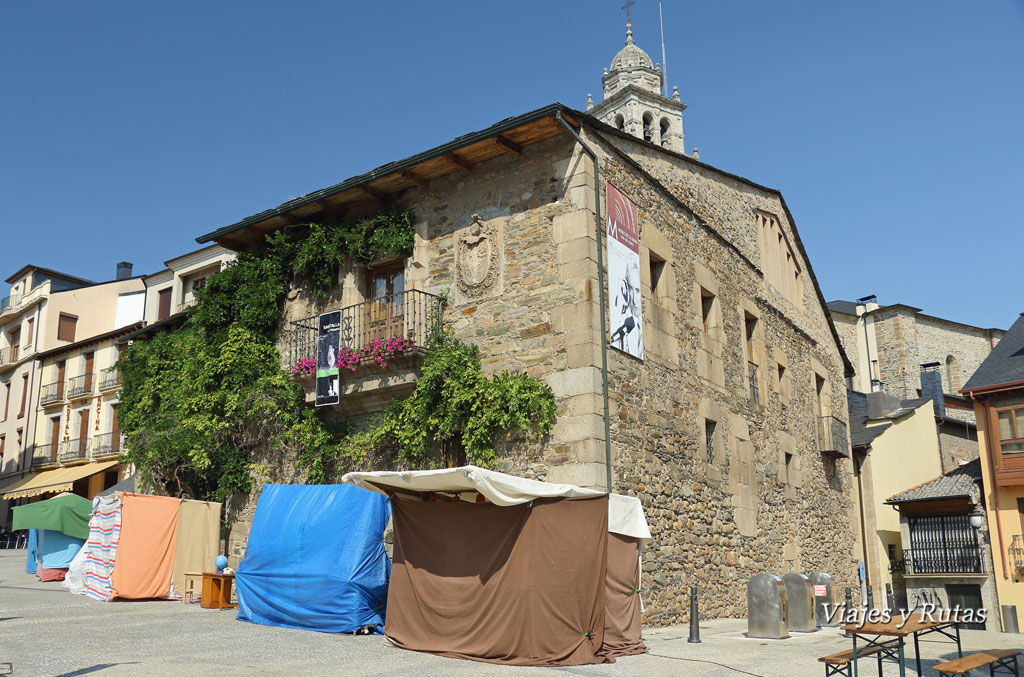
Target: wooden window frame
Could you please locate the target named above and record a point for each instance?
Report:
(60, 325)
(7, 399)
(1018, 434)
(24, 395)
(31, 322)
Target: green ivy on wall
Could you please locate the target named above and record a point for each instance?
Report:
(204, 405)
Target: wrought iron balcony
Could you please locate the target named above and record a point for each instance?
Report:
(40, 455)
(51, 392)
(1016, 552)
(950, 560)
(73, 450)
(755, 390)
(110, 380)
(414, 314)
(832, 437)
(8, 303)
(79, 386)
(106, 444)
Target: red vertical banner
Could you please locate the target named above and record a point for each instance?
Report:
(625, 304)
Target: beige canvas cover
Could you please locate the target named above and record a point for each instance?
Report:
(197, 543)
(622, 628)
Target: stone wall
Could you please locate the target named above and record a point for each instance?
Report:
(513, 240)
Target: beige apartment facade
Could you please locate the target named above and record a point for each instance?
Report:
(169, 292)
(51, 311)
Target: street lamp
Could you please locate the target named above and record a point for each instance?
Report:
(977, 518)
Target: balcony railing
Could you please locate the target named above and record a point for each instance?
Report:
(105, 444)
(952, 560)
(40, 455)
(414, 314)
(8, 302)
(832, 437)
(1016, 552)
(8, 355)
(110, 380)
(51, 392)
(186, 304)
(73, 450)
(80, 385)
(755, 390)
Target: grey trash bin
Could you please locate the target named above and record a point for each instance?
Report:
(767, 612)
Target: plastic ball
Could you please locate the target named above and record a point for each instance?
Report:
(221, 561)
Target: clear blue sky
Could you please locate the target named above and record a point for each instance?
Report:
(894, 129)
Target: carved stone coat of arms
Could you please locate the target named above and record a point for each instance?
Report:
(478, 259)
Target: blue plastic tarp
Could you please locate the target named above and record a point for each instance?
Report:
(315, 559)
(30, 561)
(57, 549)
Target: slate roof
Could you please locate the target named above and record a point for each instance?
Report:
(860, 434)
(1005, 364)
(844, 307)
(959, 482)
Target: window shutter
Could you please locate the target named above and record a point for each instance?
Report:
(66, 327)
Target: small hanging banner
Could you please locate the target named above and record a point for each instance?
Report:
(328, 340)
(627, 322)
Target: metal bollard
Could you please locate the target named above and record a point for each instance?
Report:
(890, 600)
(694, 618)
(847, 605)
(871, 599)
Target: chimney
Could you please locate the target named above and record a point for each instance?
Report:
(867, 304)
(882, 404)
(124, 270)
(931, 386)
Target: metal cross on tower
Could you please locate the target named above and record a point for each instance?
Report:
(628, 6)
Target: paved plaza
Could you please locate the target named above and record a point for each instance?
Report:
(45, 630)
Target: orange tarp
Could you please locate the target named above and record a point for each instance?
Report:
(145, 551)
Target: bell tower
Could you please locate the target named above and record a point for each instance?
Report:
(633, 100)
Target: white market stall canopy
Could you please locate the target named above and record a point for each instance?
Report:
(625, 513)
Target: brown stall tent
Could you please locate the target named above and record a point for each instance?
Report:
(497, 568)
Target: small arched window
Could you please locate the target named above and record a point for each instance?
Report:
(664, 131)
(648, 124)
(620, 123)
(952, 374)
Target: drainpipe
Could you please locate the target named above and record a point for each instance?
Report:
(600, 283)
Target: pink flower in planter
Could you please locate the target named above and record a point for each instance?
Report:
(305, 366)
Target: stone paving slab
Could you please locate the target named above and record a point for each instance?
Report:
(45, 631)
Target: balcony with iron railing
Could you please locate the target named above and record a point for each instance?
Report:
(110, 379)
(832, 436)
(414, 315)
(51, 393)
(944, 560)
(80, 386)
(42, 455)
(182, 307)
(8, 303)
(1016, 553)
(106, 444)
(74, 450)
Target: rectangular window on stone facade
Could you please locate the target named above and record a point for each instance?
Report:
(657, 277)
(789, 462)
(709, 438)
(707, 309)
(778, 261)
(783, 383)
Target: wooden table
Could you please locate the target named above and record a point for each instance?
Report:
(217, 591)
(871, 634)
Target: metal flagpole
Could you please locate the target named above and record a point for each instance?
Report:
(664, 63)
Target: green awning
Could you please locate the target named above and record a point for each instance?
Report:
(68, 514)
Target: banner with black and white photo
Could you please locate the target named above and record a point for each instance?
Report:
(625, 312)
(328, 340)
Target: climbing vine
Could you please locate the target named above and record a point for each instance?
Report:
(205, 405)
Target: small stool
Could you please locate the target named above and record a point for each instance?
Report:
(191, 588)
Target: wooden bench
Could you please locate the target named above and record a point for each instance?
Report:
(993, 658)
(839, 663)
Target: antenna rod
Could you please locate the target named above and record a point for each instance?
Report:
(664, 62)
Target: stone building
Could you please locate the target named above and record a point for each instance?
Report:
(896, 348)
(730, 426)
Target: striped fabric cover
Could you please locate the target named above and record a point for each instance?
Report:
(104, 532)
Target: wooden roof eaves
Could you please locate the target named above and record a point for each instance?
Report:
(227, 233)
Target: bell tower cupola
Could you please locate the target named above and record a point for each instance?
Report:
(633, 100)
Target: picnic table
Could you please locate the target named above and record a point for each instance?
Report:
(872, 635)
